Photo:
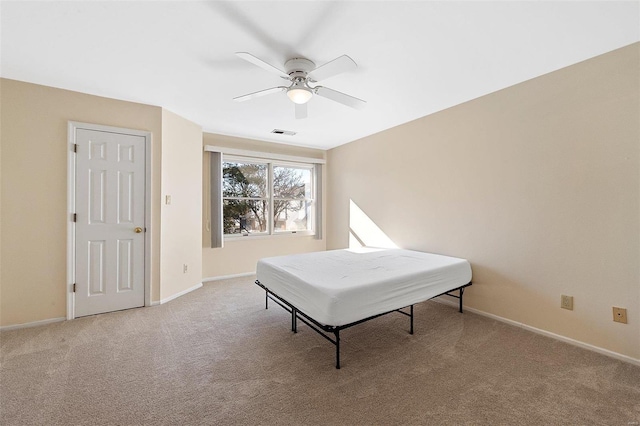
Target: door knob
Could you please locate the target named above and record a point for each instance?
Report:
(137, 230)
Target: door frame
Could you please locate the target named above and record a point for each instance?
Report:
(71, 206)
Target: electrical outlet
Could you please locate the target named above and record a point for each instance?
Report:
(566, 302)
(185, 268)
(620, 315)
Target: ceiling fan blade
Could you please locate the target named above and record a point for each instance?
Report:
(259, 93)
(301, 111)
(262, 64)
(340, 97)
(335, 67)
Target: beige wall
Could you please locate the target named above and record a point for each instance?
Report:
(537, 185)
(33, 214)
(181, 237)
(240, 256)
(1, 85)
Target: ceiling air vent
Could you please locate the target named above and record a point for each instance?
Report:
(283, 132)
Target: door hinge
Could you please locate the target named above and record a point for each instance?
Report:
(74, 287)
(75, 147)
(75, 217)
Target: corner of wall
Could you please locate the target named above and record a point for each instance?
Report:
(181, 216)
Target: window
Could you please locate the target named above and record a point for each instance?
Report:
(292, 198)
(262, 197)
(245, 205)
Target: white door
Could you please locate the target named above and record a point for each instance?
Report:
(110, 221)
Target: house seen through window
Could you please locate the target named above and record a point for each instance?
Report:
(262, 198)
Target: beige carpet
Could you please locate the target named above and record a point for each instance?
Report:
(217, 357)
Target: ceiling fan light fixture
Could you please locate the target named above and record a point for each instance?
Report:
(299, 94)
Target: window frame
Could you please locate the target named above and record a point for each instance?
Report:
(271, 231)
(311, 210)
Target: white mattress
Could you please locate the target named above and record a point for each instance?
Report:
(338, 287)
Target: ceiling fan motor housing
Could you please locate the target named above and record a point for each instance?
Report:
(299, 67)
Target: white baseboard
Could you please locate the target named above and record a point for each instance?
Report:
(226, 277)
(31, 324)
(578, 343)
(175, 296)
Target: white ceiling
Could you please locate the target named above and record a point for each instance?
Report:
(414, 58)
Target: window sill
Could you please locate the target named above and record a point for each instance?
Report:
(267, 236)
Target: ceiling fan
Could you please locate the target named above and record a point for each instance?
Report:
(302, 75)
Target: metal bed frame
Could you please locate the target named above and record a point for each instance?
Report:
(326, 330)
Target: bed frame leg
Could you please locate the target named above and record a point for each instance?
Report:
(337, 333)
(266, 299)
(411, 330)
(294, 320)
(461, 293)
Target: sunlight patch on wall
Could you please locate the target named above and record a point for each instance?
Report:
(364, 232)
